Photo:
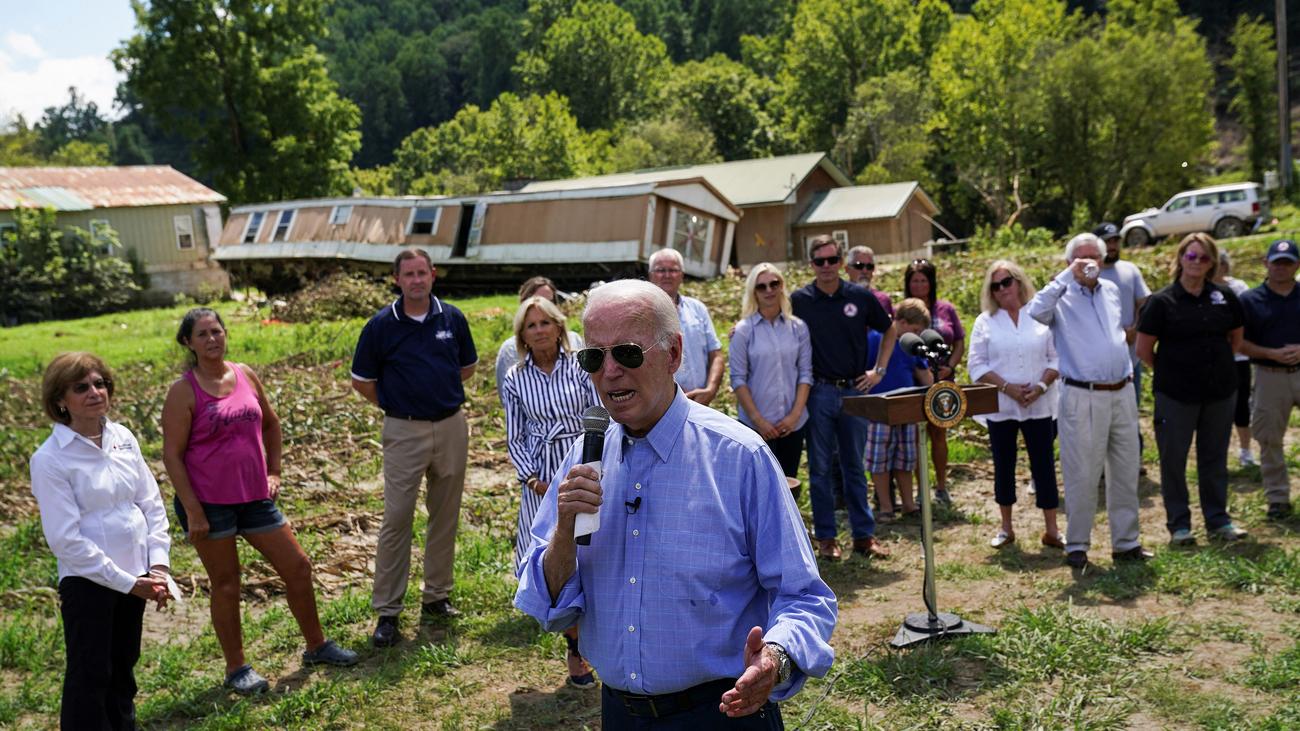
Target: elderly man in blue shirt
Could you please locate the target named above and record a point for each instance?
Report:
(698, 599)
(700, 374)
(1098, 419)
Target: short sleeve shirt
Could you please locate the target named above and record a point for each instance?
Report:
(1132, 287)
(901, 370)
(416, 364)
(1193, 357)
(946, 322)
(838, 325)
(698, 340)
(1271, 319)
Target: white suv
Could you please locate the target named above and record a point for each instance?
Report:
(1224, 210)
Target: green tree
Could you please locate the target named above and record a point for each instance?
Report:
(730, 101)
(886, 138)
(19, 144)
(1254, 90)
(663, 142)
(594, 56)
(477, 150)
(76, 121)
(242, 81)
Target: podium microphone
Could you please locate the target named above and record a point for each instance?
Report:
(910, 342)
(934, 342)
(594, 422)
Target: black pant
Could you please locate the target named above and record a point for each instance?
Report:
(614, 715)
(788, 450)
(101, 629)
(1039, 435)
(1212, 423)
(1241, 411)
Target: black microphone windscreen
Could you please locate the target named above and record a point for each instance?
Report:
(909, 342)
(932, 339)
(595, 419)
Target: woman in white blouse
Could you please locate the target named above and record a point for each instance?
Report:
(1017, 355)
(104, 521)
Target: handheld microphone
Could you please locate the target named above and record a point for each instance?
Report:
(594, 422)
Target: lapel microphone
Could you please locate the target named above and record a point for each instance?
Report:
(633, 505)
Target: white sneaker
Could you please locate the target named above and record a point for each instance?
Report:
(1246, 458)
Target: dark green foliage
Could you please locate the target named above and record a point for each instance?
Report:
(1254, 91)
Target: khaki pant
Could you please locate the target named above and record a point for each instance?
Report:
(1099, 428)
(1276, 392)
(414, 450)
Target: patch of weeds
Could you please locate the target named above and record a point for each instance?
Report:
(1182, 703)
(25, 558)
(1279, 671)
(1086, 705)
(1037, 644)
(962, 571)
(439, 659)
(351, 608)
(1124, 581)
(884, 676)
(317, 703)
(1252, 569)
(30, 642)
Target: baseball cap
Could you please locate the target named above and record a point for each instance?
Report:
(1106, 230)
(1283, 249)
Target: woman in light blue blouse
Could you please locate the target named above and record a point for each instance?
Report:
(771, 366)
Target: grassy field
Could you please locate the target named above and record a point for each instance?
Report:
(1201, 638)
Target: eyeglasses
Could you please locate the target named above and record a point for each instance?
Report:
(665, 270)
(628, 355)
(860, 265)
(998, 284)
(773, 285)
(102, 384)
(1192, 257)
(920, 261)
(821, 261)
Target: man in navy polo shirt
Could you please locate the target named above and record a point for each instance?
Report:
(1272, 343)
(411, 361)
(838, 315)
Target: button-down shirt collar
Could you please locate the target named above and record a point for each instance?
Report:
(663, 436)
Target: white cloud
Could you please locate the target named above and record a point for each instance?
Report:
(29, 91)
(23, 45)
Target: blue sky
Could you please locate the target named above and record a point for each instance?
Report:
(47, 46)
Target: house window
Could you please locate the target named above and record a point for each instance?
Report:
(254, 226)
(341, 215)
(424, 221)
(282, 226)
(101, 236)
(690, 235)
(841, 238)
(8, 231)
(184, 228)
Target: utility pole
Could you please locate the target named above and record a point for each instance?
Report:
(1283, 100)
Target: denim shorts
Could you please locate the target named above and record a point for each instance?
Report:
(258, 516)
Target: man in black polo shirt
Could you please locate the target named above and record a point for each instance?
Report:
(838, 314)
(1272, 343)
(411, 361)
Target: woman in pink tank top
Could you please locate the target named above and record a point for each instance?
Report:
(222, 446)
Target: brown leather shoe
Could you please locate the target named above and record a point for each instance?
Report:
(869, 546)
(828, 549)
(1052, 541)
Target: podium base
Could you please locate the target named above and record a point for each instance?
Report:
(924, 627)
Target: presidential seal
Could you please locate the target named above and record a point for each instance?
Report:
(945, 404)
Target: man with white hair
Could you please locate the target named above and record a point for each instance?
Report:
(698, 595)
(1098, 416)
(702, 365)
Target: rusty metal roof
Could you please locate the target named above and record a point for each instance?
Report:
(83, 188)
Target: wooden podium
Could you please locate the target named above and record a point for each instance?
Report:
(944, 404)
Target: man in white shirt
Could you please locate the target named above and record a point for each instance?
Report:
(700, 374)
(1098, 412)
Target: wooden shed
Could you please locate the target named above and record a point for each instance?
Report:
(772, 193)
(166, 217)
(571, 235)
(894, 219)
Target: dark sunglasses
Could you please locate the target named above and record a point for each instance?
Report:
(921, 261)
(628, 355)
(103, 384)
(998, 284)
(773, 285)
(860, 265)
(821, 261)
(1192, 256)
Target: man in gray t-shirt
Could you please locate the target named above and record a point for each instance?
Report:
(1133, 293)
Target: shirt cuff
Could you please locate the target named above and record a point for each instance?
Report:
(534, 599)
(159, 557)
(121, 581)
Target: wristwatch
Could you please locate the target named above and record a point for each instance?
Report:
(783, 663)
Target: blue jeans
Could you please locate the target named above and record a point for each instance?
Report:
(828, 430)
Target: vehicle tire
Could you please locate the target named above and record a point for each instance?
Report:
(1229, 227)
(1137, 237)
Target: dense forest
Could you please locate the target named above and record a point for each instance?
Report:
(1036, 112)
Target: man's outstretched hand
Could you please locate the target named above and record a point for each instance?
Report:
(755, 684)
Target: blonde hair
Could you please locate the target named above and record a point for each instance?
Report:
(65, 370)
(1207, 243)
(987, 300)
(749, 301)
(552, 313)
(913, 311)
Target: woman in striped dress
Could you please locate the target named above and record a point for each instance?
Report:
(544, 394)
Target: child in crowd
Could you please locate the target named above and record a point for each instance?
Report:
(892, 449)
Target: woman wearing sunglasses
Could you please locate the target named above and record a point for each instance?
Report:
(919, 280)
(222, 446)
(1198, 326)
(1016, 353)
(544, 394)
(104, 521)
(771, 366)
